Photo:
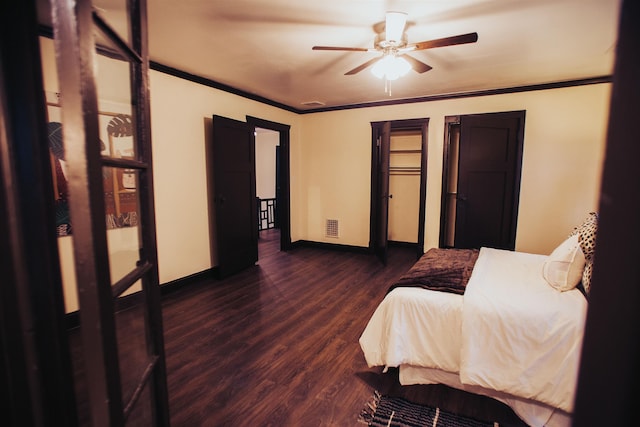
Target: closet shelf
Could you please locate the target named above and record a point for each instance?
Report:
(404, 170)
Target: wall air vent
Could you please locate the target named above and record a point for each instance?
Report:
(313, 104)
(332, 228)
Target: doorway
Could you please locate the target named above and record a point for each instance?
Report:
(232, 173)
(267, 166)
(481, 180)
(405, 153)
(398, 164)
(267, 189)
(282, 181)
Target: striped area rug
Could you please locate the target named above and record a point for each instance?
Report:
(384, 411)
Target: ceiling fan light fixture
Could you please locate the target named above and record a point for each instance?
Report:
(391, 67)
(394, 26)
(394, 46)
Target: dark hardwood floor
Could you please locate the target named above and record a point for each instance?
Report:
(277, 345)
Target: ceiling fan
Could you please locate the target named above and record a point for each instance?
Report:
(393, 45)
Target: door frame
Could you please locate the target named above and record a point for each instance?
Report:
(421, 124)
(449, 123)
(36, 377)
(381, 133)
(284, 197)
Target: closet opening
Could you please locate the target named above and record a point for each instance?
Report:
(405, 153)
(398, 185)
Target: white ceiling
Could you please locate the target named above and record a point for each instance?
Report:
(263, 47)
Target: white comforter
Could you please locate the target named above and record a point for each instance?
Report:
(520, 335)
(510, 332)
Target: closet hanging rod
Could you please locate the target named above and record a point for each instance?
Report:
(406, 151)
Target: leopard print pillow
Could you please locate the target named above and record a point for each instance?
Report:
(587, 235)
(586, 276)
(587, 238)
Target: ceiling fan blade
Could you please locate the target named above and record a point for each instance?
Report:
(361, 67)
(350, 49)
(418, 66)
(445, 41)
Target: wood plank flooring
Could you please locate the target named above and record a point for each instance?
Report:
(277, 345)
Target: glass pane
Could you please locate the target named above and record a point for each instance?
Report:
(123, 231)
(115, 111)
(132, 346)
(79, 377)
(141, 415)
(114, 13)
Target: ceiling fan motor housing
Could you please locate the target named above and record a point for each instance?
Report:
(382, 43)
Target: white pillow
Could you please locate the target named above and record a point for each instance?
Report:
(563, 269)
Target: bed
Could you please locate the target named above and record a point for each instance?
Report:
(504, 324)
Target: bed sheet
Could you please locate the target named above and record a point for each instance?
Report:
(534, 413)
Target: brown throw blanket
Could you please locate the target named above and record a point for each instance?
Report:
(446, 270)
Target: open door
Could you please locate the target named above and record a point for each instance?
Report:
(234, 195)
(382, 135)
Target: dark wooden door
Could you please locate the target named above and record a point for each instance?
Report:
(383, 144)
(234, 195)
(489, 180)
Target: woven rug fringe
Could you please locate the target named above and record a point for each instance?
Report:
(367, 414)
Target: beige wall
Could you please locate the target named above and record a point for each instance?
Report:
(181, 114)
(330, 165)
(181, 122)
(563, 153)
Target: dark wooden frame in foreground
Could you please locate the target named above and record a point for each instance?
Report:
(609, 372)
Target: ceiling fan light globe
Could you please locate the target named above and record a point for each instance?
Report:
(381, 67)
(392, 75)
(391, 67)
(378, 70)
(401, 66)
